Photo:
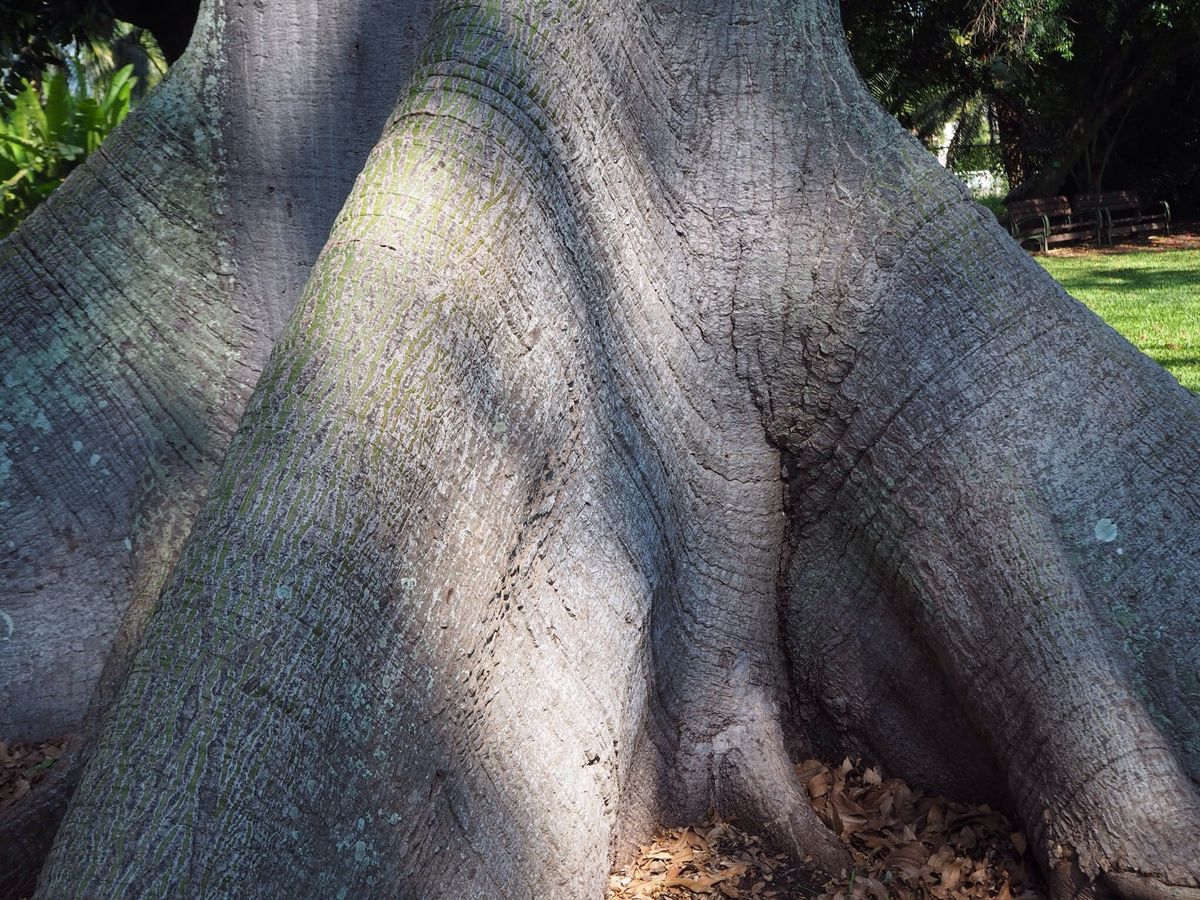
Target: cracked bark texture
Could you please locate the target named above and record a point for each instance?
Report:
(657, 410)
(140, 304)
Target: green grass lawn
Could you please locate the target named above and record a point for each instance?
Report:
(1153, 299)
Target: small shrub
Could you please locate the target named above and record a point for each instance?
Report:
(49, 129)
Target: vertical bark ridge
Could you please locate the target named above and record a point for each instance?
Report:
(141, 303)
(893, 335)
(143, 300)
(471, 265)
(407, 537)
(116, 356)
(499, 538)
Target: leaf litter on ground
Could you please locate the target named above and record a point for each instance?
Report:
(713, 860)
(903, 844)
(23, 765)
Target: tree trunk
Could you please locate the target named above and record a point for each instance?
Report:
(656, 410)
(130, 346)
(140, 304)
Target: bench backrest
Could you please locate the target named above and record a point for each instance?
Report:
(1112, 200)
(1050, 207)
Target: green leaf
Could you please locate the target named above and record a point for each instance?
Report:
(119, 90)
(57, 105)
(69, 151)
(21, 142)
(47, 131)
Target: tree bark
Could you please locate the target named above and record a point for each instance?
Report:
(655, 411)
(141, 302)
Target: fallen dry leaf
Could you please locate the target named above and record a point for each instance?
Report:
(23, 765)
(715, 860)
(904, 844)
(912, 845)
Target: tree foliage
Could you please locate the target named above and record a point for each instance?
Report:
(927, 61)
(1063, 80)
(68, 74)
(35, 34)
(54, 123)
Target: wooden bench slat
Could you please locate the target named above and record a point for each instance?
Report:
(1128, 212)
(1052, 220)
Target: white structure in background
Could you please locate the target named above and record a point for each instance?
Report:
(985, 183)
(981, 183)
(948, 130)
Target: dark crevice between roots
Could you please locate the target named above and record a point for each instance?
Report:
(36, 782)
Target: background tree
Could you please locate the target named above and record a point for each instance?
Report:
(927, 62)
(34, 34)
(1064, 80)
(657, 409)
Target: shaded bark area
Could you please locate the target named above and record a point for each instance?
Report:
(140, 305)
(119, 358)
(922, 384)
(657, 410)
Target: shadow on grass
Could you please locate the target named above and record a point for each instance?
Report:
(1138, 279)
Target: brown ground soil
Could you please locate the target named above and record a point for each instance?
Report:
(1185, 236)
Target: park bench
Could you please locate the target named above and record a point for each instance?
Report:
(1127, 213)
(1051, 220)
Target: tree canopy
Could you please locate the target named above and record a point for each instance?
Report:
(1083, 95)
(34, 33)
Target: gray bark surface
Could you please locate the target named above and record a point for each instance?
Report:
(140, 305)
(656, 411)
